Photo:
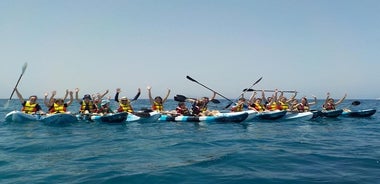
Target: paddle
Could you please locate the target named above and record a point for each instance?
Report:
(182, 98)
(22, 73)
(266, 90)
(355, 103)
(244, 92)
(193, 80)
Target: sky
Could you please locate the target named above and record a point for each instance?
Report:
(313, 47)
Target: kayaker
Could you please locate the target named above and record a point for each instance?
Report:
(157, 103)
(330, 104)
(304, 105)
(59, 105)
(86, 104)
(284, 103)
(124, 102)
(182, 110)
(105, 107)
(239, 105)
(257, 105)
(30, 106)
(199, 107)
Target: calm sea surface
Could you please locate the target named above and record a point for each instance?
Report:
(343, 150)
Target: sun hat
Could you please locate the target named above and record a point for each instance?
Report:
(104, 102)
(87, 96)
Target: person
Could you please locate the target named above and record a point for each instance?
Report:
(86, 104)
(105, 107)
(330, 104)
(59, 105)
(256, 103)
(182, 110)
(157, 103)
(304, 105)
(239, 105)
(199, 107)
(30, 106)
(284, 103)
(124, 102)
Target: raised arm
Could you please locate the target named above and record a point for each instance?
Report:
(76, 95)
(315, 100)
(19, 96)
(166, 97)
(150, 94)
(213, 96)
(71, 98)
(66, 94)
(117, 94)
(46, 102)
(341, 100)
(137, 95)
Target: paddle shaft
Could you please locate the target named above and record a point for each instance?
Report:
(188, 77)
(244, 91)
(268, 90)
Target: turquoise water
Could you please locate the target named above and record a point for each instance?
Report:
(339, 150)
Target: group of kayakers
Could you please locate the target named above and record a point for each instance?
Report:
(96, 103)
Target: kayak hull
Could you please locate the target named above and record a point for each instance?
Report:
(359, 113)
(59, 119)
(110, 118)
(229, 117)
(18, 116)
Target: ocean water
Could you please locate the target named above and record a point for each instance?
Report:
(341, 150)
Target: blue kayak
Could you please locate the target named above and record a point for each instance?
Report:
(110, 118)
(271, 115)
(59, 119)
(18, 116)
(231, 117)
(359, 113)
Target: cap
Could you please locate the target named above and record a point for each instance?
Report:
(124, 98)
(87, 96)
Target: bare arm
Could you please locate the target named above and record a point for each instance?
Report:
(104, 94)
(76, 95)
(71, 98)
(19, 96)
(315, 101)
(166, 97)
(150, 94)
(341, 100)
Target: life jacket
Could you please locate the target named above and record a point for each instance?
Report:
(157, 106)
(283, 106)
(272, 107)
(302, 108)
(57, 108)
(183, 111)
(89, 107)
(237, 108)
(125, 108)
(29, 108)
(329, 106)
(259, 107)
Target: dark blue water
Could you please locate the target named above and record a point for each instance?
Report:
(339, 150)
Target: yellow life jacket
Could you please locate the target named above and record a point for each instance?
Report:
(58, 108)
(89, 106)
(283, 106)
(29, 108)
(272, 107)
(259, 107)
(157, 106)
(237, 108)
(125, 108)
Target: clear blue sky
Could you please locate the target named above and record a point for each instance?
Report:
(313, 47)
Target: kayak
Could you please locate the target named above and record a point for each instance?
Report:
(331, 113)
(235, 117)
(110, 118)
(298, 116)
(18, 116)
(143, 117)
(59, 119)
(270, 115)
(359, 113)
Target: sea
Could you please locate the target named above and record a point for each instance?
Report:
(338, 150)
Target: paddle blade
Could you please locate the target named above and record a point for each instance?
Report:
(188, 77)
(6, 105)
(180, 98)
(244, 90)
(24, 68)
(355, 103)
(257, 81)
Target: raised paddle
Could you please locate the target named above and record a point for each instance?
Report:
(267, 90)
(193, 80)
(22, 73)
(244, 92)
(182, 98)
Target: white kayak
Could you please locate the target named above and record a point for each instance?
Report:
(18, 116)
(143, 117)
(298, 116)
(59, 119)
